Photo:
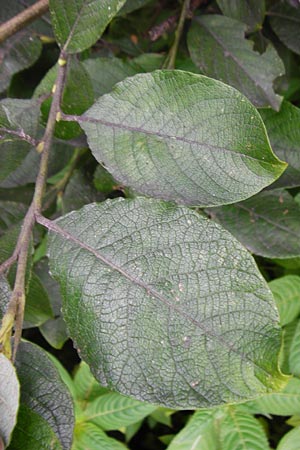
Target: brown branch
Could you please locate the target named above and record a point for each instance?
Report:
(20, 134)
(22, 19)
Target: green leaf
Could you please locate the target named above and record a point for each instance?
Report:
(176, 147)
(251, 12)
(284, 132)
(10, 214)
(286, 291)
(113, 411)
(103, 180)
(218, 47)
(78, 24)
(9, 398)
(43, 391)
(38, 308)
(131, 5)
(33, 432)
(290, 440)
(79, 192)
(226, 429)
(285, 21)
(89, 436)
(267, 224)
(17, 53)
(86, 386)
(5, 294)
(77, 96)
(142, 306)
(287, 335)
(283, 403)
(294, 355)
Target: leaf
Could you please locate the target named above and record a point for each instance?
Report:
(38, 308)
(131, 5)
(33, 432)
(286, 291)
(86, 21)
(88, 436)
(285, 21)
(86, 386)
(43, 392)
(17, 53)
(9, 398)
(290, 440)
(142, 305)
(113, 411)
(251, 12)
(294, 356)
(218, 47)
(78, 193)
(284, 132)
(283, 403)
(267, 224)
(5, 294)
(10, 214)
(226, 428)
(103, 180)
(287, 335)
(176, 148)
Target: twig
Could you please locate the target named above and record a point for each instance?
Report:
(170, 60)
(15, 310)
(20, 134)
(22, 19)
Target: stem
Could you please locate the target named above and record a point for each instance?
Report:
(20, 134)
(22, 19)
(170, 60)
(15, 310)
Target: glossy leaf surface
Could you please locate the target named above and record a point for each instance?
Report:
(203, 145)
(141, 297)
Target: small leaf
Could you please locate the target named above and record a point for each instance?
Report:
(176, 148)
(267, 224)
(86, 21)
(251, 12)
(286, 291)
(143, 308)
(113, 411)
(218, 47)
(285, 21)
(43, 391)
(33, 432)
(294, 355)
(290, 440)
(89, 436)
(9, 398)
(86, 386)
(17, 53)
(284, 132)
(78, 193)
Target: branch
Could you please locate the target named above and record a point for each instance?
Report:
(15, 310)
(22, 19)
(20, 134)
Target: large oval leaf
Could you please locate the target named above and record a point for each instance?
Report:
(164, 305)
(183, 137)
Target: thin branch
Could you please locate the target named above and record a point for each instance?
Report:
(20, 134)
(170, 60)
(22, 19)
(15, 310)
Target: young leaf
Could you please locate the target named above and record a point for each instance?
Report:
(143, 307)
(285, 21)
(284, 132)
(43, 391)
(86, 386)
(78, 24)
(267, 224)
(113, 411)
(218, 47)
(286, 291)
(9, 398)
(33, 432)
(251, 12)
(89, 436)
(294, 355)
(287, 338)
(290, 440)
(180, 136)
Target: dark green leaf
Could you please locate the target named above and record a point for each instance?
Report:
(284, 131)
(33, 432)
(9, 398)
(286, 291)
(251, 12)
(104, 181)
(17, 53)
(78, 193)
(10, 214)
(285, 21)
(142, 304)
(218, 47)
(165, 134)
(268, 224)
(43, 391)
(131, 5)
(38, 308)
(86, 21)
